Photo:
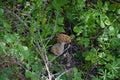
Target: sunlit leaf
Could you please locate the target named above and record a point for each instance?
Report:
(1, 11)
(102, 24)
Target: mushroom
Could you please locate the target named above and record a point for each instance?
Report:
(58, 48)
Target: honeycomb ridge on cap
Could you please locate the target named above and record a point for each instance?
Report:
(63, 38)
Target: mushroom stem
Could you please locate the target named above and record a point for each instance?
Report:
(62, 47)
(57, 48)
(63, 44)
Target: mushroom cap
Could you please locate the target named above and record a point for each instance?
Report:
(63, 38)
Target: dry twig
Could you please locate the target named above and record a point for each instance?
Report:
(62, 74)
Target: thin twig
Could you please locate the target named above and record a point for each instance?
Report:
(54, 30)
(43, 56)
(15, 15)
(62, 74)
(47, 68)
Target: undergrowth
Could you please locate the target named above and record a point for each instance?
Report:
(28, 27)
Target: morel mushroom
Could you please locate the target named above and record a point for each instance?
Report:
(62, 39)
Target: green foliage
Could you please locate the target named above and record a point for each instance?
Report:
(1, 12)
(20, 1)
(77, 75)
(111, 71)
(5, 73)
(83, 41)
(27, 30)
(31, 75)
(57, 4)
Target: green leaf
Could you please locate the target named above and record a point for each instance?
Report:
(2, 48)
(5, 73)
(99, 4)
(8, 38)
(106, 6)
(20, 1)
(113, 7)
(118, 36)
(77, 30)
(11, 38)
(92, 56)
(60, 29)
(23, 52)
(1, 12)
(80, 4)
(110, 58)
(107, 22)
(112, 30)
(95, 78)
(102, 24)
(102, 55)
(69, 13)
(7, 26)
(77, 75)
(44, 21)
(118, 11)
(30, 75)
(57, 4)
(83, 41)
(60, 20)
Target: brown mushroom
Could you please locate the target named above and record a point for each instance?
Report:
(62, 39)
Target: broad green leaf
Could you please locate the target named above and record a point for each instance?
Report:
(60, 20)
(60, 29)
(106, 6)
(8, 38)
(57, 4)
(1, 12)
(102, 55)
(5, 73)
(77, 75)
(113, 7)
(110, 58)
(77, 30)
(20, 1)
(118, 36)
(112, 30)
(11, 38)
(80, 4)
(83, 41)
(99, 4)
(23, 52)
(118, 11)
(102, 24)
(107, 22)
(7, 26)
(35, 67)
(95, 78)
(30, 75)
